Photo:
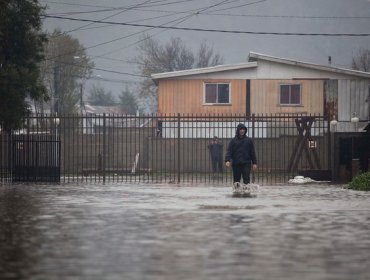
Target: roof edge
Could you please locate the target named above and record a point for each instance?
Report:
(205, 70)
(258, 56)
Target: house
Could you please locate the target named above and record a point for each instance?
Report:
(267, 85)
(101, 110)
(96, 118)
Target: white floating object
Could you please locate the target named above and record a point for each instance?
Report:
(300, 180)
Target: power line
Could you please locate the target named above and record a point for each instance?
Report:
(133, 34)
(243, 5)
(102, 79)
(212, 30)
(118, 72)
(120, 12)
(95, 68)
(211, 13)
(117, 8)
(177, 21)
(288, 16)
(74, 4)
(118, 81)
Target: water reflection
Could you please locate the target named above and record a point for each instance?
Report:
(122, 231)
(17, 233)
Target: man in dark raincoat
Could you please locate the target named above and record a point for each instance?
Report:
(241, 155)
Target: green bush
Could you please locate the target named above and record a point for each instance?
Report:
(360, 182)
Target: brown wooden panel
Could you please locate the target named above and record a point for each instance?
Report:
(186, 97)
(265, 97)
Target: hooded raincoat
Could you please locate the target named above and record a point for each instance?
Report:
(241, 149)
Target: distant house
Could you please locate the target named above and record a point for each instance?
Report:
(97, 118)
(100, 110)
(267, 85)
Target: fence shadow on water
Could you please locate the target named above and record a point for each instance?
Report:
(162, 149)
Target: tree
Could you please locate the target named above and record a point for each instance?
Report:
(206, 57)
(361, 60)
(98, 96)
(173, 56)
(21, 50)
(64, 71)
(128, 102)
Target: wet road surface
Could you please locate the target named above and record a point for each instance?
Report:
(121, 231)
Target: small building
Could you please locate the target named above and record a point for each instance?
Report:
(268, 85)
(96, 118)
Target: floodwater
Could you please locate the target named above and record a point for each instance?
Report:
(121, 231)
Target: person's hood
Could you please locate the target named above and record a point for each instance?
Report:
(240, 126)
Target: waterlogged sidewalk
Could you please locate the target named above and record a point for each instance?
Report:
(122, 231)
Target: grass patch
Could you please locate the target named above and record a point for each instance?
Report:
(360, 182)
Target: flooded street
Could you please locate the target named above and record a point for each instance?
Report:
(122, 231)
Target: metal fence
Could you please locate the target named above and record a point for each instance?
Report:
(169, 149)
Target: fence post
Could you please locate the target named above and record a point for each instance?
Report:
(178, 148)
(253, 127)
(104, 144)
(330, 153)
(10, 154)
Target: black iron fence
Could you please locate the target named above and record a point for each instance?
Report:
(160, 149)
(35, 158)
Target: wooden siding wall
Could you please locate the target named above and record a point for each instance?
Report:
(186, 97)
(265, 97)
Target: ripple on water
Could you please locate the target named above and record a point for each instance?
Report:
(122, 231)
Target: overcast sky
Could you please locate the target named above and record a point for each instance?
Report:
(111, 45)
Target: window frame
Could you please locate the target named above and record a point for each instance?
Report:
(217, 96)
(290, 95)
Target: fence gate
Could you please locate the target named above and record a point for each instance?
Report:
(36, 158)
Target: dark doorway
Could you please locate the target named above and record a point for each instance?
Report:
(354, 147)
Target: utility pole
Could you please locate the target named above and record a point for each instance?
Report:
(81, 99)
(54, 108)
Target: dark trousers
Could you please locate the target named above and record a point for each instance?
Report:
(217, 164)
(240, 170)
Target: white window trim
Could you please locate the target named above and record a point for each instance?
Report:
(217, 83)
(290, 104)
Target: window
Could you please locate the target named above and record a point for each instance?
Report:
(290, 94)
(217, 93)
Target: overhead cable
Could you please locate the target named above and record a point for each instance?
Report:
(212, 30)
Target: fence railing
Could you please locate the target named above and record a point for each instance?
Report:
(163, 149)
